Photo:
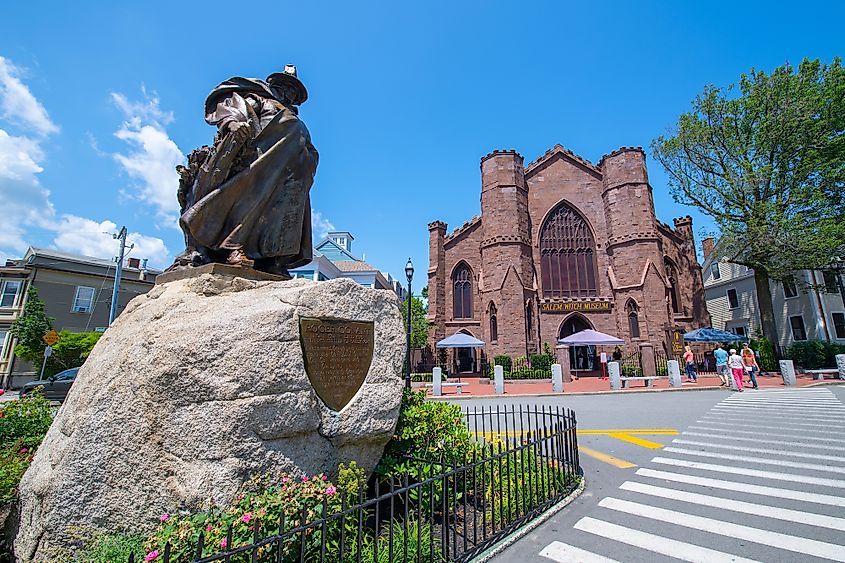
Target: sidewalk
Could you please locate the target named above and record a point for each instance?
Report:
(480, 387)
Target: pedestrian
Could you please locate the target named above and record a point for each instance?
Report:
(722, 365)
(749, 362)
(736, 366)
(617, 354)
(689, 362)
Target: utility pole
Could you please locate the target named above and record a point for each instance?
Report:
(121, 236)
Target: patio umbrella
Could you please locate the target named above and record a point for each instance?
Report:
(590, 337)
(460, 340)
(709, 334)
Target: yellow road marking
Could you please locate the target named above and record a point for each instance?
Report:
(650, 431)
(634, 440)
(615, 461)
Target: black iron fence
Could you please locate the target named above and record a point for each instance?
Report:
(631, 364)
(526, 461)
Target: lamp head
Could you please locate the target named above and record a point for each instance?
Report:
(409, 270)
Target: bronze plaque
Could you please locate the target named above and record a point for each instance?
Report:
(337, 354)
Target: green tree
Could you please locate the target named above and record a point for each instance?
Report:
(419, 324)
(766, 160)
(30, 329)
(71, 350)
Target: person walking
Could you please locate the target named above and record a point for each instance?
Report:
(722, 365)
(749, 363)
(736, 366)
(689, 363)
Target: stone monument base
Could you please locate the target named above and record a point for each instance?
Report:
(220, 269)
(199, 385)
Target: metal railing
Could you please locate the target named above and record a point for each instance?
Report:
(526, 461)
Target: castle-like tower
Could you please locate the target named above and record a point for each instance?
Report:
(563, 244)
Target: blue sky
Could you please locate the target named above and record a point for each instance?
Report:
(98, 101)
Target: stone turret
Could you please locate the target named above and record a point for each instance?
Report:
(437, 278)
(506, 243)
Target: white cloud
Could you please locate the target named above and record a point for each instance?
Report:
(25, 203)
(18, 105)
(84, 236)
(152, 156)
(320, 226)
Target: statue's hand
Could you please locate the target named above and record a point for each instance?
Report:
(240, 129)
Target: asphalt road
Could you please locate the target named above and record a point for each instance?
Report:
(757, 476)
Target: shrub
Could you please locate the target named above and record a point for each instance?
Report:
(542, 361)
(23, 424)
(112, 548)
(813, 354)
(766, 358)
(519, 362)
(526, 373)
(504, 361)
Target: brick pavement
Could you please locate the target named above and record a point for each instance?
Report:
(481, 387)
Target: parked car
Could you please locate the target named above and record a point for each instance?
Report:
(54, 387)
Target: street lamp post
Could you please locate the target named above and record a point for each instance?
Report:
(409, 273)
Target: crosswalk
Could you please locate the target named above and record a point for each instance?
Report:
(760, 477)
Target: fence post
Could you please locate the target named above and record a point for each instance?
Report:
(674, 369)
(840, 365)
(499, 380)
(557, 378)
(787, 371)
(562, 358)
(613, 373)
(436, 380)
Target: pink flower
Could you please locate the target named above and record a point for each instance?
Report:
(330, 490)
(246, 517)
(151, 555)
(23, 451)
(324, 478)
(164, 517)
(304, 478)
(285, 479)
(223, 543)
(209, 528)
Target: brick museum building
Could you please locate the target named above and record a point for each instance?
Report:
(563, 245)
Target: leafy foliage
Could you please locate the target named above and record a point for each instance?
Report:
(504, 361)
(23, 424)
(71, 350)
(30, 328)
(766, 160)
(419, 324)
(542, 361)
(814, 354)
(112, 548)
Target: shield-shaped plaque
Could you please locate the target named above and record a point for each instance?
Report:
(337, 355)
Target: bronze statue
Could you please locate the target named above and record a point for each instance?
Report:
(244, 201)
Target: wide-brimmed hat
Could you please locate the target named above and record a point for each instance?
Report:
(288, 78)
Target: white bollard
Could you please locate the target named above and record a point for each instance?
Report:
(787, 371)
(499, 380)
(557, 378)
(614, 374)
(840, 365)
(674, 369)
(436, 380)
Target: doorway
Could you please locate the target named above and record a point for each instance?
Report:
(581, 358)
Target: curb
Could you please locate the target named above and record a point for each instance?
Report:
(468, 397)
(511, 539)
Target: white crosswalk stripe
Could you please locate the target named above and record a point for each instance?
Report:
(753, 490)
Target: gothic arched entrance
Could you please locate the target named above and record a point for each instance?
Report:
(581, 358)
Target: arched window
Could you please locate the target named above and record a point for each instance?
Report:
(462, 292)
(494, 324)
(633, 318)
(672, 276)
(567, 255)
(529, 321)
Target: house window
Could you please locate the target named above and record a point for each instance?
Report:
(633, 319)
(789, 289)
(567, 255)
(733, 300)
(738, 330)
(10, 293)
(494, 324)
(797, 324)
(462, 292)
(83, 302)
(3, 334)
(672, 276)
(830, 285)
(714, 271)
(839, 325)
